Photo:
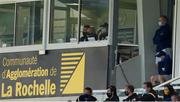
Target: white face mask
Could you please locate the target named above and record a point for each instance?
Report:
(160, 23)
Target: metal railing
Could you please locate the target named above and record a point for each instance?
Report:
(167, 82)
(101, 94)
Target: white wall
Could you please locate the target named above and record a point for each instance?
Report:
(177, 41)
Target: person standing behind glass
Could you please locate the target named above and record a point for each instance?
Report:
(85, 33)
(103, 31)
(91, 34)
(163, 38)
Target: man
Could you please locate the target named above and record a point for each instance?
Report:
(129, 91)
(164, 68)
(112, 94)
(85, 33)
(163, 36)
(150, 94)
(87, 96)
(103, 31)
(91, 33)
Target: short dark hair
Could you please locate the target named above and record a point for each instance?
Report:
(148, 84)
(86, 26)
(88, 89)
(130, 87)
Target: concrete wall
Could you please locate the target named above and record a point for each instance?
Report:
(148, 14)
(132, 70)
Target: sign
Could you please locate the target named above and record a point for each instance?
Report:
(60, 72)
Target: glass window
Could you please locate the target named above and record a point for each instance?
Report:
(94, 20)
(7, 26)
(21, 23)
(29, 23)
(127, 30)
(64, 18)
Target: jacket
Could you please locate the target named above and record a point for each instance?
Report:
(163, 38)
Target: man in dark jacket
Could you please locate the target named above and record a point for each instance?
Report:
(87, 96)
(150, 94)
(129, 91)
(112, 94)
(85, 33)
(163, 36)
(164, 67)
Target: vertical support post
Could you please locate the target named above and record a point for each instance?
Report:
(79, 20)
(113, 32)
(46, 25)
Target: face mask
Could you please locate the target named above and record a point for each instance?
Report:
(144, 91)
(126, 93)
(108, 94)
(160, 23)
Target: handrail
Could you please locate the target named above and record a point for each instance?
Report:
(167, 82)
(128, 45)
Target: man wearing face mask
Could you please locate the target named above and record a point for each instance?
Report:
(150, 94)
(163, 36)
(112, 94)
(129, 91)
(87, 96)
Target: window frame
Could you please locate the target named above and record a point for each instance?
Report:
(46, 45)
(78, 44)
(25, 48)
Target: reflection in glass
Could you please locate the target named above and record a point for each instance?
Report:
(64, 19)
(29, 23)
(7, 15)
(21, 23)
(127, 33)
(94, 20)
(127, 30)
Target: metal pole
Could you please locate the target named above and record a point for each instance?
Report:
(79, 21)
(113, 32)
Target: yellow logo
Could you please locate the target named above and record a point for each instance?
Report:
(72, 73)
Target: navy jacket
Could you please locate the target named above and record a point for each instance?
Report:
(86, 97)
(114, 98)
(163, 38)
(165, 66)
